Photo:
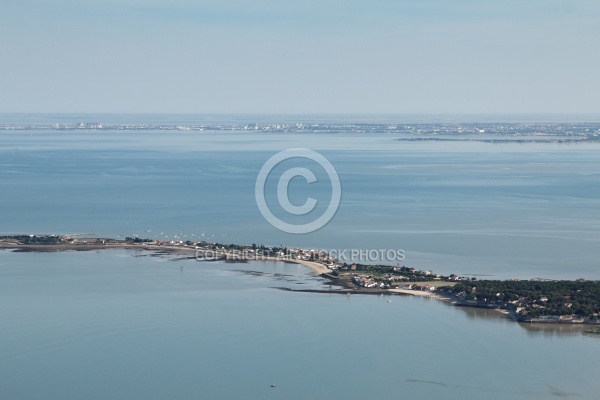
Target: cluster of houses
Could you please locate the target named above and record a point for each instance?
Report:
(401, 278)
(413, 286)
(368, 282)
(387, 283)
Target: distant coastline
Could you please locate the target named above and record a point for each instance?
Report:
(531, 301)
(486, 132)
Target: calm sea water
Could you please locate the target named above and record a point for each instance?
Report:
(119, 324)
(505, 210)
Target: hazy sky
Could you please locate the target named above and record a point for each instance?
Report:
(302, 56)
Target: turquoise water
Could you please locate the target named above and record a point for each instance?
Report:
(115, 324)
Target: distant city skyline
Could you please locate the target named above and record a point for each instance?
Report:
(328, 56)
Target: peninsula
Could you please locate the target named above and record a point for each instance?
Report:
(535, 300)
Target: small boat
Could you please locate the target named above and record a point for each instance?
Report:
(273, 385)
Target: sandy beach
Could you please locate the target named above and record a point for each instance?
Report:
(414, 292)
(315, 266)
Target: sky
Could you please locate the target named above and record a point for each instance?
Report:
(298, 57)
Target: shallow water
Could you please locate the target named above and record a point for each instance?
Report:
(120, 324)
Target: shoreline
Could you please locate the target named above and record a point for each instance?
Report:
(316, 267)
(346, 284)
